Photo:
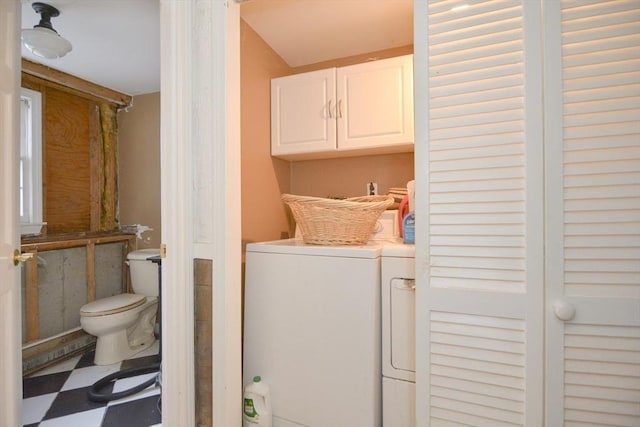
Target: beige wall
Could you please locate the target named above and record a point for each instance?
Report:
(263, 178)
(139, 167)
(348, 177)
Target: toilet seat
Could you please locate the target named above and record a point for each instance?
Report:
(112, 305)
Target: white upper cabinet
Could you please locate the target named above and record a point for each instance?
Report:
(303, 113)
(375, 105)
(356, 110)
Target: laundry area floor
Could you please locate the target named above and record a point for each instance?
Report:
(57, 395)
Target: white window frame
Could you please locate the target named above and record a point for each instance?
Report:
(30, 161)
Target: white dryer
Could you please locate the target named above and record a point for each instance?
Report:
(398, 335)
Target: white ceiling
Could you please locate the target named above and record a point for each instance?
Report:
(309, 31)
(116, 42)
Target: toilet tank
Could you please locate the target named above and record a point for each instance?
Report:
(144, 273)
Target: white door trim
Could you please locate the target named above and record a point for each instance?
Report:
(200, 162)
(421, 157)
(226, 219)
(177, 267)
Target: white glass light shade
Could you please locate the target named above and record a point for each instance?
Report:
(45, 43)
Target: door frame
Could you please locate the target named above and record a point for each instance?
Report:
(200, 163)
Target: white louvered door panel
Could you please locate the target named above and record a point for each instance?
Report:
(483, 298)
(593, 180)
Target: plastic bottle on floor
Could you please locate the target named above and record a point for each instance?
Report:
(257, 405)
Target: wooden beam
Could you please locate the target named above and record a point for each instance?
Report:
(91, 271)
(96, 178)
(34, 351)
(76, 83)
(66, 241)
(32, 309)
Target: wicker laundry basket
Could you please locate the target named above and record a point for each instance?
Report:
(337, 222)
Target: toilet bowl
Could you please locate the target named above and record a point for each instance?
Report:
(124, 324)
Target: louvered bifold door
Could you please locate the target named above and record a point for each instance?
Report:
(592, 120)
(484, 293)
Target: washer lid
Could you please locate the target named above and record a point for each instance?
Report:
(298, 247)
(111, 305)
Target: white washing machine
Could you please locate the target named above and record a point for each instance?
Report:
(312, 331)
(312, 321)
(398, 336)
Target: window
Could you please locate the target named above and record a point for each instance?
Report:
(30, 161)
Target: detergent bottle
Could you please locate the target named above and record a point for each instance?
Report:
(256, 405)
(407, 215)
(409, 228)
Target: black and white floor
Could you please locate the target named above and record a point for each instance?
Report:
(57, 396)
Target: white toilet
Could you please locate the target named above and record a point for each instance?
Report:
(124, 324)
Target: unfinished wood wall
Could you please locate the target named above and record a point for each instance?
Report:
(79, 141)
(69, 131)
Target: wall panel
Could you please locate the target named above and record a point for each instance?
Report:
(67, 171)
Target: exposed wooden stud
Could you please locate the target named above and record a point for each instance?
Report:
(32, 309)
(91, 271)
(126, 277)
(96, 167)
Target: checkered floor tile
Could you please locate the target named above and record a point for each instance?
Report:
(57, 396)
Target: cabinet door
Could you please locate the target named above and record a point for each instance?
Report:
(593, 219)
(303, 114)
(375, 105)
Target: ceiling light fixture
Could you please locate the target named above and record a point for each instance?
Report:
(43, 40)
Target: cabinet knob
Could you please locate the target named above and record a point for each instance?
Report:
(564, 310)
